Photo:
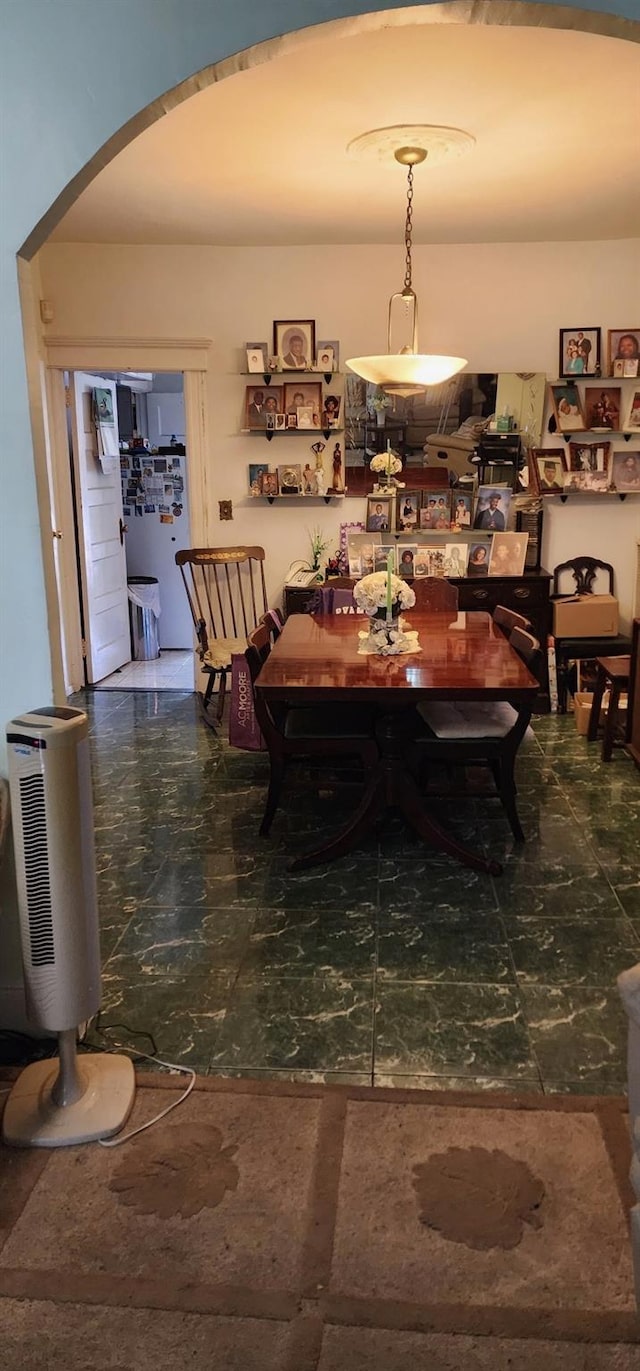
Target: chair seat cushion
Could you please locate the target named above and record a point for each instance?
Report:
(345, 721)
(219, 653)
(469, 719)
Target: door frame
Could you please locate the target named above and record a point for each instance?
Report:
(189, 356)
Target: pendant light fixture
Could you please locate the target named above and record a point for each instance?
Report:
(409, 370)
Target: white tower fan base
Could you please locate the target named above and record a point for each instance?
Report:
(59, 1104)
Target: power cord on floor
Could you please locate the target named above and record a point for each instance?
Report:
(103, 1030)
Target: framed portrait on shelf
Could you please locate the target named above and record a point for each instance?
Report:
(421, 562)
(567, 408)
(305, 416)
(256, 471)
(294, 340)
(579, 352)
(406, 560)
(589, 466)
(381, 557)
(456, 555)
(549, 467)
(436, 509)
(632, 418)
(259, 402)
(379, 513)
(331, 411)
(508, 553)
(257, 357)
(290, 480)
(479, 555)
(623, 345)
(360, 549)
(408, 510)
(327, 355)
(492, 508)
(437, 560)
(461, 502)
(281, 421)
(602, 407)
(269, 483)
(303, 395)
(625, 471)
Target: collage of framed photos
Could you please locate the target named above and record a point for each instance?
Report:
(471, 554)
(405, 511)
(294, 405)
(590, 466)
(601, 408)
(580, 352)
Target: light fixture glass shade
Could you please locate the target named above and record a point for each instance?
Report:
(406, 368)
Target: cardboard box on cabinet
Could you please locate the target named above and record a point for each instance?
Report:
(585, 616)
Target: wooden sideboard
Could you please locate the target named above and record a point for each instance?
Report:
(633, 716)
(528, 594)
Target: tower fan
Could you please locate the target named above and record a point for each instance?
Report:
(56, 1103)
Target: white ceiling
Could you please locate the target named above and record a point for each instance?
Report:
(260, 158)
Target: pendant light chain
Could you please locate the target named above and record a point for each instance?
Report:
(408, 229)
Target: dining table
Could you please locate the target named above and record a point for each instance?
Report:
(316, 661)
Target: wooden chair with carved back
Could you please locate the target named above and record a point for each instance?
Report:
(227, 595)
(585, 574)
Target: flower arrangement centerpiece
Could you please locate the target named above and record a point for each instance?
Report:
(386, 466)
(382, 596)
(380, 404)
(318, 546)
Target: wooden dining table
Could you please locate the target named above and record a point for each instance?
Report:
(465, 657)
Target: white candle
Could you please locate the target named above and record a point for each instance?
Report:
(390, 560)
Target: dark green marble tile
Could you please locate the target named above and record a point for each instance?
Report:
(615, 842)
(605, 1084)
(124, 875)
(625, 879)
(399, 840)
(519, 1086)
(459, 947)
(451, 1030)
(216, 879)
(184, 1015)
(178, 942)
(578, 1033)
(295, 943)
(426, 887)
(572, 951)
(349, 883)
(555, 890)
(344, 1078)
(314, 1023)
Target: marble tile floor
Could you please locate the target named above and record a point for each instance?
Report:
(393, 966)
(172, 670)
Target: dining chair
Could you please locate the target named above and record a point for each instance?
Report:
(508, 619)
(299, 731)
(274, 622)
(433, 594)
(227, 595)
(472, 733)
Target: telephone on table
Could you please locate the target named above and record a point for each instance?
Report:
(300, 574)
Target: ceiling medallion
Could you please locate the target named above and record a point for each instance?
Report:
(440, 143)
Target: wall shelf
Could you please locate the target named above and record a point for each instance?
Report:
(328, 495)
(268, 376)
(270, 433)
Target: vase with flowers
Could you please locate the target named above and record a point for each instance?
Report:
(380, 404)
(386, 466)
(382, 596)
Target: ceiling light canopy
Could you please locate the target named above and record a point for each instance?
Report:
(407, 371)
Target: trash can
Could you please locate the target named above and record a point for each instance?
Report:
(144, 609)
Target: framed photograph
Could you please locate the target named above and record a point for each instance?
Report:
(305, 416)
(589, 467)
(492, 508)
(508, 553)
(257, 357)
(256, 471)
(294, 340)
(281, 421)
(331, 411)
(602, 407)
(327, 355)
(437, 561)
(379, 513)
(623, 345)
(479, 556)
(567, 408)
(461, 508)
(632, 421)
(408, 510)
(292, 421)
(625, 471)
(360, 550)
(421, 562)
(456, 555)
(303, 395)
(381, 555)
(259, 402)
(269, 483)
(103, 405)
(436, 509)
(290, 480)
(406, 560)
(549, 466)
(579, 352)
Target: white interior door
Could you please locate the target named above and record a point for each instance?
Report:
(102, 555)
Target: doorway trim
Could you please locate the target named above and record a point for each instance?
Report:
(187, 355)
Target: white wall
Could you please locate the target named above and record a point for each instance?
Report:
(501, 305)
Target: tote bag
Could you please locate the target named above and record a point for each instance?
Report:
(244, 731)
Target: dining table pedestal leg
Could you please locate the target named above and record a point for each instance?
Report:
(391, 783)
